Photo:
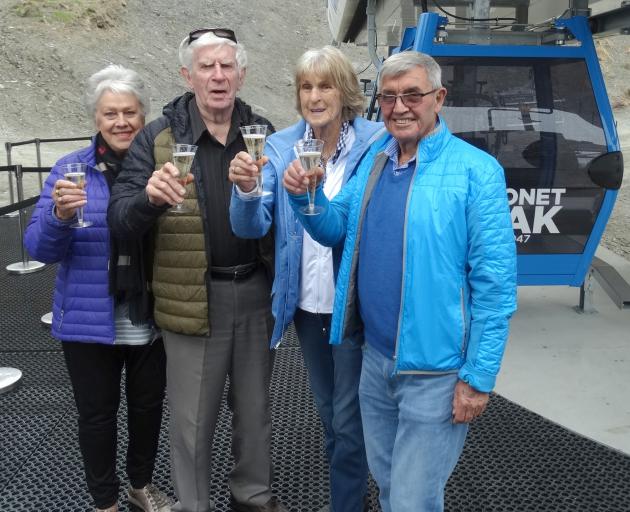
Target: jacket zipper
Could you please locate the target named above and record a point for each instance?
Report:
(63, 297)
(404, 261)
(464, 330)
(291, 241)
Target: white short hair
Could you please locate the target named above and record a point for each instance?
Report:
(209, 39)
(119, 80)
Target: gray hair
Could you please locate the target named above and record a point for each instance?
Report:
(119, 80)
(402, 62)
(209, 39)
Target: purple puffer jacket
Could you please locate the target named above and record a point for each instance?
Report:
(83, 309)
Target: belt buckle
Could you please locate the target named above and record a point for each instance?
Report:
(239, 273)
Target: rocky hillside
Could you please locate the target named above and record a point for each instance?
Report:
(49, 48)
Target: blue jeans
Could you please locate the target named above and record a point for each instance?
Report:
(334, 372)
(412, 445)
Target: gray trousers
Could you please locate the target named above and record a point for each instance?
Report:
(197, 368)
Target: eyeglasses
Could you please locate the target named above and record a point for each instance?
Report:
(409, 99)
(225, 33)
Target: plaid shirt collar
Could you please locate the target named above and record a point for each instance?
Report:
(342, 141)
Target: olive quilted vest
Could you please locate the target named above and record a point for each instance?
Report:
(180, 264)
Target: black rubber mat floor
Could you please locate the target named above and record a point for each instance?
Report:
(514, 460)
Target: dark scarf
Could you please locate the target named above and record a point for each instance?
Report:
(127, 269)
(108, 162)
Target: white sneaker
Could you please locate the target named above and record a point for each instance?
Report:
(149, 499)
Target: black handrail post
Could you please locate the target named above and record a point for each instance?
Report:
(8, 146)
(39, 162)
(25, 266)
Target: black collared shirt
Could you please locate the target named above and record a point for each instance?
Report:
(214, 159)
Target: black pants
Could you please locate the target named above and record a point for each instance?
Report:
(95, 372)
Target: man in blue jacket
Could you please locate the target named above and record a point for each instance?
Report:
(427, 280)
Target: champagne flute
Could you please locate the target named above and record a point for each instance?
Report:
(183, 156)
(309, 151)
(76, 174)
(254, 136)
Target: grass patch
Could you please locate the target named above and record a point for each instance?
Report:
(66, 12)
(63, 16)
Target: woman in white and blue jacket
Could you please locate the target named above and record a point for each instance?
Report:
(427, 278)
(331, 103)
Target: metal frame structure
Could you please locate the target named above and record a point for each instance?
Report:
(568, 36)
(429, 37)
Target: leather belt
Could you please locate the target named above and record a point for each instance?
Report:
(235, 273)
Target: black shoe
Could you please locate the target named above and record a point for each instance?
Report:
(273, 505)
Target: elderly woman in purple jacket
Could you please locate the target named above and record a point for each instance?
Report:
(101, 307)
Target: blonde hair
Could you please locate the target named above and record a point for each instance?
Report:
(330, 63)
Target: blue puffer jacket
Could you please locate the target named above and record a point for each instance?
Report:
(252, 218)
(459, 268)
(83, 309)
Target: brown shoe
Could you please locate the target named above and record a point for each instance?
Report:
(273, 505)
(113, 508)
(149, 499)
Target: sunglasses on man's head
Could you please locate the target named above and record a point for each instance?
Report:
(225, 33)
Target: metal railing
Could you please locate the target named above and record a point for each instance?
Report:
(19, 207)
(26, 265)
(10, 377)
(38, 142)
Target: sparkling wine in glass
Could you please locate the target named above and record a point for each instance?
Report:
(254, 136)
(76, 174)
(183, 156)
(309, 152)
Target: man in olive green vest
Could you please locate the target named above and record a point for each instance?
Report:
(211, 289)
